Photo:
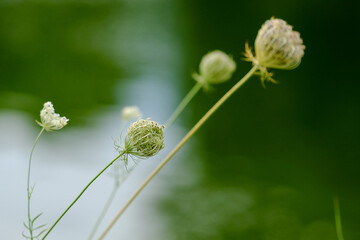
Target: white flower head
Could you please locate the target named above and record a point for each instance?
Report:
(130, 112)
(50, 120)
(215, 67)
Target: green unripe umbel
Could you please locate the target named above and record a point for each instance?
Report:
(216, 67)
(144, 138)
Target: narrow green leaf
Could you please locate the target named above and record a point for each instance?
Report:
(37, 216)
(23, 234)
(39, 227)
(37, 236)
(26, 226)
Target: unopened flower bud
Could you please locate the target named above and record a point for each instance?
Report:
(50, 120)
(130, 112)
(278, 46)
(144, 138)
(216, 67)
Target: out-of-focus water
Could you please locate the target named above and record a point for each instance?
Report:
(266, 166)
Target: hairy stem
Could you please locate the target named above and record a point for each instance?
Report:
(81, 193)
(29, 192)
(180, 144)
(183, 104)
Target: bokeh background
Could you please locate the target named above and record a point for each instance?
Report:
(266, 166)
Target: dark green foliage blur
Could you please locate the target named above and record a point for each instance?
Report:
(272, 159)
(48, 53)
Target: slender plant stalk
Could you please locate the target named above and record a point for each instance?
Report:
(29, 192)
(183, 104)
(109, 201)
(180, 144)
(105, 209)
(81, 193)
(339, 231)
(169, 122)
(117, 183)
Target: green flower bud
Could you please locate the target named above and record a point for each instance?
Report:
(144, 138)
(215, 67)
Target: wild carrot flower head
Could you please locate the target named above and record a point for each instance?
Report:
(277, 45)
(50, 120)
(130, 112)
(144, 138)
(215, 67)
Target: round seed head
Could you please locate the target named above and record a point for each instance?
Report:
(278, 46)
(144, 138)
(216, 67)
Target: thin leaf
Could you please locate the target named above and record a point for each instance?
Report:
(37, 216)
(26, 226)
(39, 227)
(37, 236)
(23, 234)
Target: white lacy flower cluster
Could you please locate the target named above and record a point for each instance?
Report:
(50, 120)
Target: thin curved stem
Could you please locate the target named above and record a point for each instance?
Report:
(29, 192)
(338, 226)
(183, 104)
(180, 144)
(105, 209)
(117, 183)
(81, 193)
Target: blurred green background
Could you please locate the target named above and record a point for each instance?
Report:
(269, 161)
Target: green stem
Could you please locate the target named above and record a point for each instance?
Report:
(338, 219)
(105, 209)
(81, 193)
(117, 184)
(183, 103)
(180, 144)
(28, 185)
